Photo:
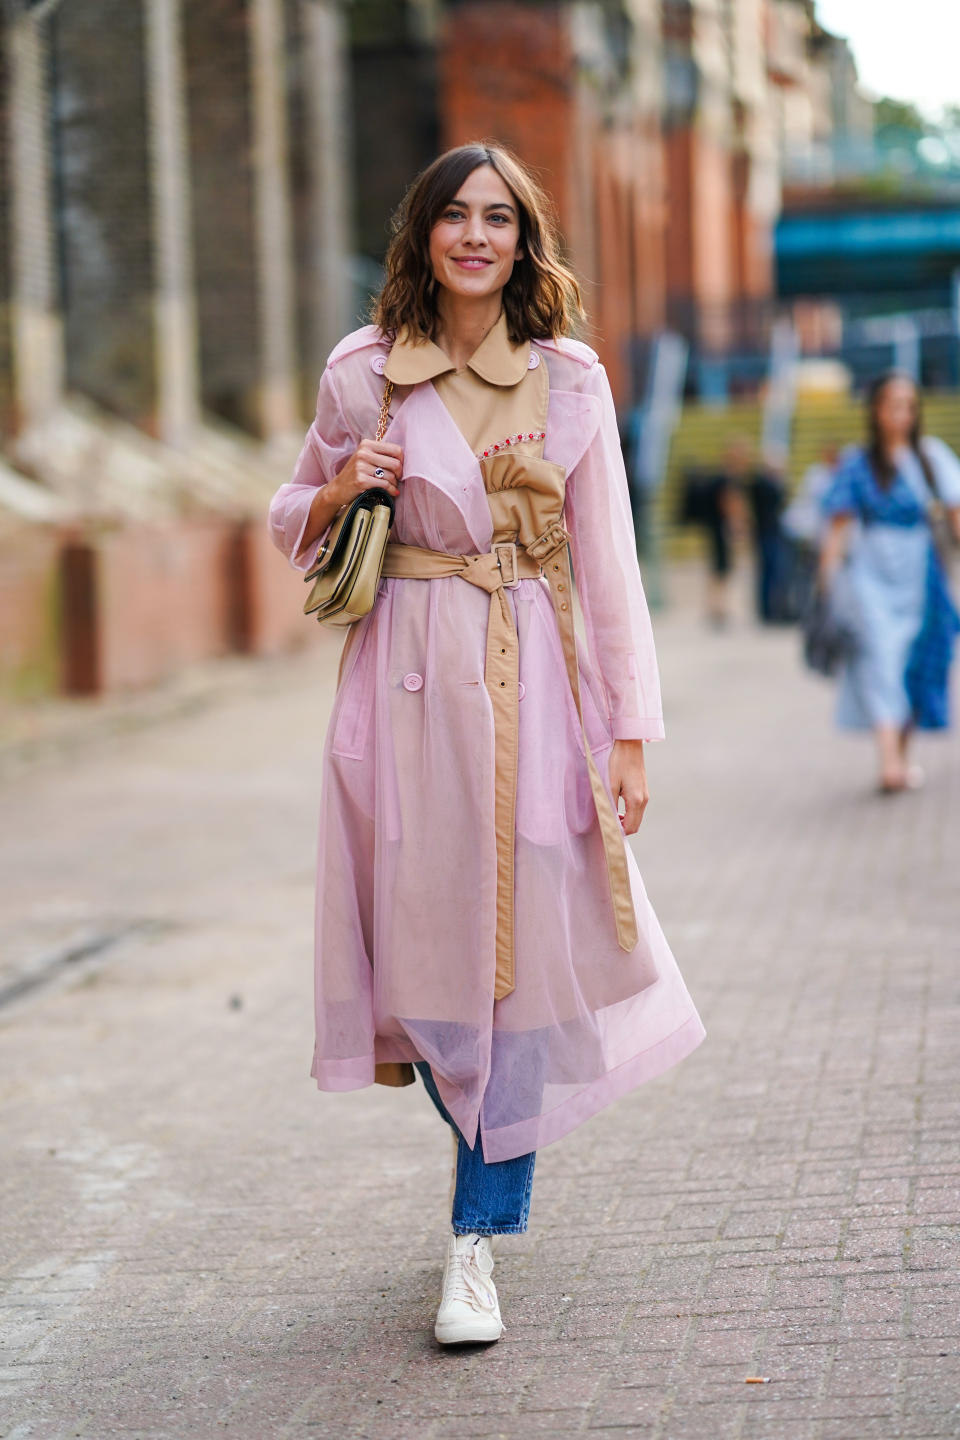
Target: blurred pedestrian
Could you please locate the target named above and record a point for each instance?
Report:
(760, 491)
(479, 916)
(886, 505)
(709, 502)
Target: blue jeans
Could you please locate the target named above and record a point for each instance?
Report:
(489, 1199)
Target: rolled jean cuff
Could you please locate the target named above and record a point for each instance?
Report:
(518, 1229)
(496, 1194)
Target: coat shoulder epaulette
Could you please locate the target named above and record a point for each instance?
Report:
(363, 339)
(571, 349)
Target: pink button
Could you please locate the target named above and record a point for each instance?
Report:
(413, 681)
(534, 360)
(378, 364)
(521, 690)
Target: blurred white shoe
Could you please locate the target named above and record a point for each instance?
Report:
(469, 1309)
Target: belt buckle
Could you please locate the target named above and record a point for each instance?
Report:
(508, 546)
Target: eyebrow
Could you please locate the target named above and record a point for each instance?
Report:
(494, 205)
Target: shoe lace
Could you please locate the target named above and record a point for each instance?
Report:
(466, 1280)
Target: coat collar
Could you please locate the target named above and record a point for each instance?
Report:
(496, 359)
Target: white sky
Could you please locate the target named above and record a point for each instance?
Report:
(909, 49)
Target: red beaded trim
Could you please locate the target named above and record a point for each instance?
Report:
(512, 440)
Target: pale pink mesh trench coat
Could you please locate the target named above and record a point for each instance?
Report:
(407, 858)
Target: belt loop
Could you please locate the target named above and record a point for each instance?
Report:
(546, 545)
(512, 569)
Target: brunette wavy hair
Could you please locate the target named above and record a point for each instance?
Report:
(883, 467)
(542, 298)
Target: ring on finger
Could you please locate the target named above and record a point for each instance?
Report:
(379, 473)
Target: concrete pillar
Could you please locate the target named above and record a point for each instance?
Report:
(175, 318)
(37, 329)
(329, 145)
(272, 221)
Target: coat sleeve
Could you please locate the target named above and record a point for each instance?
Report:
(329, 443)
(603, 548)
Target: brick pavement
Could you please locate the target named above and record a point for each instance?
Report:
(196, 1243)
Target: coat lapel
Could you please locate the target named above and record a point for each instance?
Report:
(436, 452)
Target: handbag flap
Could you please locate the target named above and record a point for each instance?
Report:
(330, 581)
(332, 553)
(366, 578)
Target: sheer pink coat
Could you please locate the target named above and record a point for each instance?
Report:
(406, 884)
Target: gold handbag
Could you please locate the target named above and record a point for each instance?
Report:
(347, 569)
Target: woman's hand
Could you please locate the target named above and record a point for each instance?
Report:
(359, 473)
(356, 476)
(628, 778)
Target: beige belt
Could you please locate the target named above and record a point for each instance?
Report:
(503, 568)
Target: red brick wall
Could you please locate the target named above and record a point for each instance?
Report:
(757, 256)
(276, 591)
(629, 243)
(506, 73)
(650, 220)
(701, 264)
(163, 600)
(711, 202)
(142, 602)
(128, 608)
(614, 296)
(752, 239)
(28, 609)
(679, 231)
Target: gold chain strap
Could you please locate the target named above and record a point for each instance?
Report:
(384, 410)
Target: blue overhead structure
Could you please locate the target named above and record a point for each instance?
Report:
(843, 254)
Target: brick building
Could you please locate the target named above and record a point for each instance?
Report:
(659, 126)
(199, 195)
(196, 200)
(174, 256)
(165, 228)
(575, 90)
(747, 84)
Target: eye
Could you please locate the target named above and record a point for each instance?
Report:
(502, 219)
(453, 214)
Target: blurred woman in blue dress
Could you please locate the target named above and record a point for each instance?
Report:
(894, 512)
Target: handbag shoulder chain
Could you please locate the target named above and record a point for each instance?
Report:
(384, 410)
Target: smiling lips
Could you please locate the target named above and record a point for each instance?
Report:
(471, 262)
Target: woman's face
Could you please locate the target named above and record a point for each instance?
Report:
(474, 244)
(896, 411)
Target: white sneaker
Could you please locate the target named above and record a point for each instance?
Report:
(469, 1310)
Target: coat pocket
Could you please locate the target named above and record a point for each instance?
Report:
(353, 707)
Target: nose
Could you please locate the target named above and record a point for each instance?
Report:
(473, 234)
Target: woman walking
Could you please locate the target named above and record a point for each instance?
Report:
(479, 917)
(887, 502)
